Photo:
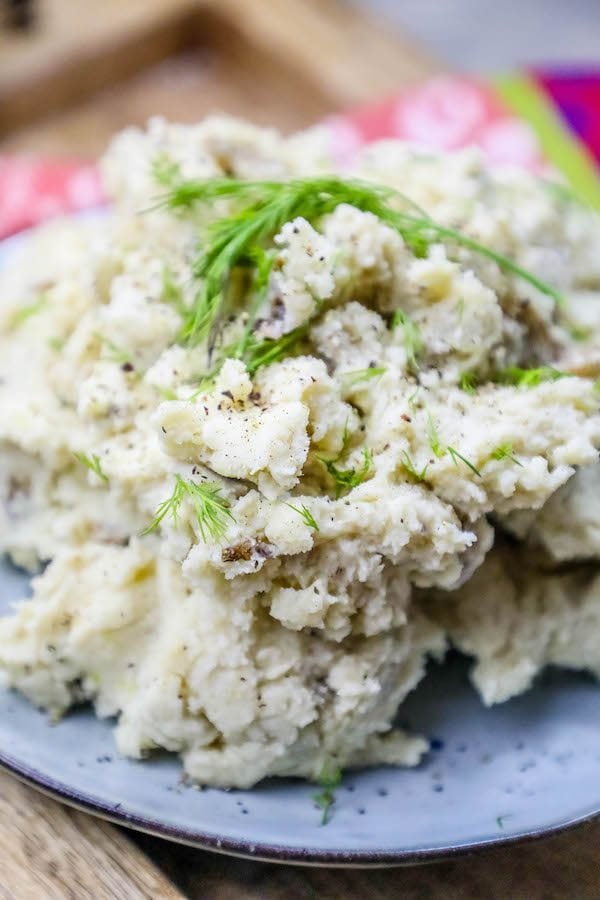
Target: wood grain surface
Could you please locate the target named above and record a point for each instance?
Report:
(90, 69)
(49, 851)
(563, 867)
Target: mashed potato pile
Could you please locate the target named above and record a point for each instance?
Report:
(271, 483)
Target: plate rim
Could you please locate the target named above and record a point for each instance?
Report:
(262, 851)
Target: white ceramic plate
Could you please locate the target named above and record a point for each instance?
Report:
(518, 770)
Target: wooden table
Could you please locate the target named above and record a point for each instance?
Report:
(90, 69)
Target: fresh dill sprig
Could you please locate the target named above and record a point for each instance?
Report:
(167, 393)
(468, 382)
(20, 316)
(92, 463)
(115, 353)
(306, 514)
(439, 450)
(433, 436)
(413, 341)
(264, 262)
(263, 207)
(346, 479)
(258, 353)
(412, 401)
(505, 451)
(55, 343)
(528, 378)
(454, 455)
(350, 379)
(171, 293)
(411, 468)
(330, 778)
(579, 332)
(211, 509)
(166, 171)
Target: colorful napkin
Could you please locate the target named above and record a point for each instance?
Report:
(535, 120)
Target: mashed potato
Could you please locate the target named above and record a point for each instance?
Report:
(251, 568)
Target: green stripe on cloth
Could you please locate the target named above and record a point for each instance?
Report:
(560, 147)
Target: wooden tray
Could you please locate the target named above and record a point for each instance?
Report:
(92, 68)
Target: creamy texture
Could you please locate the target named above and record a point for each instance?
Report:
(291, 639)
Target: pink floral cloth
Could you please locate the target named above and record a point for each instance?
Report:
(442, 114)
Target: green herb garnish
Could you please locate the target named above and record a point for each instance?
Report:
(165, 170)
(210, 508)
(351, 378)
(306, 514)
(20, 316)
(329, 779)
(167, 393)
(258, 353)
(434, 438)
(265, 206)
(92, 463)
(171, 292)
(468, 382)
(505, 451)
(413, 341)
(579, 333)
(115, 353)
(454, 455)
(439, 450)
(527, 378)
(346, 479)
(55, 343)
(411, 468)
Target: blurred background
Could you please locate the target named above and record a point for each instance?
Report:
(71, 72)
(490, 35)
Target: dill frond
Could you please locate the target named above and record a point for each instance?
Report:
(258, 353)
(528, 378)
(329, 779)
(20, 316)
(92, 463)
(210, 508)
(306, 514)
(350, 379)
(437, 448)
(171, 293)
(347, 479)
(264, 262)
(167, 393)
(265, 206)
(468, 382)
(454, 455)
(413, 341)
(55, 343)
(579, 333)
(411, 468)
(505, 451)
(115, 353)
(166, 171)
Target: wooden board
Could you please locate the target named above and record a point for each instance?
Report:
(279, 62)
(49, 852)
(93, 67)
